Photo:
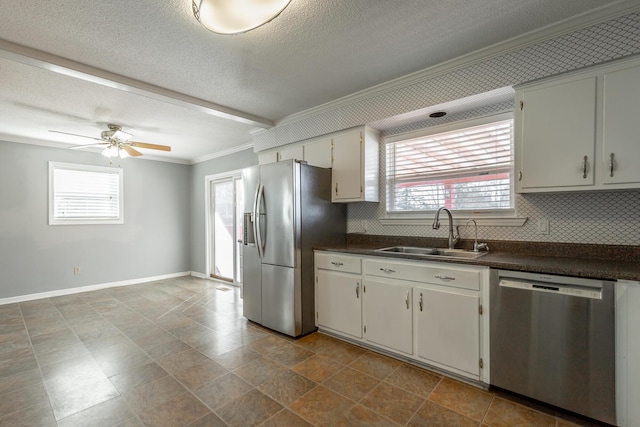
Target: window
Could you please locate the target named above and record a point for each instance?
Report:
(467, 167)
(82, 194)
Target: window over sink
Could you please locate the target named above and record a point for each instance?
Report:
(465, 166)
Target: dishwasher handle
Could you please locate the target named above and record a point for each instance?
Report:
(555, 288)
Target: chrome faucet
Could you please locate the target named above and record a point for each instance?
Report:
(477, 247)
(436, 225)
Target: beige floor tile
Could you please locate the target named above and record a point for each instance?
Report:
(322, 405)
(431, 414)
(148, 396)
(461, 398)
(351, 383)
(109, 413)
(318, 368)
(286, 418)
(249, 409)
(222, 390)
(287, 387)
(503, 413)
(392, 402)
(260, 371)
(416, 380)
(375, 364)
(180, 410)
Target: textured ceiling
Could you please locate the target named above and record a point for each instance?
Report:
(313, 53)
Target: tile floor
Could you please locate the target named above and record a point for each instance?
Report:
(178, 352)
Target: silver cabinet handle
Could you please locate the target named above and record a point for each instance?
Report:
(438, 276)
(337, 264)
(611, 164)
(584, 167)
(406, 300)
(520, 176)
(358, 290)
(387, 270)
(420, 303)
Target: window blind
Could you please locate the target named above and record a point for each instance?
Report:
(464, 169)
(82, 194)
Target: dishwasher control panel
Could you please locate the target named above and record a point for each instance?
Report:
(577, 291)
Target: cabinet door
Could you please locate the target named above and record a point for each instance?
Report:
(338, 302)
(621, 133)
(318, 153)
(555, 131)
(347, 166)
(295, 153)
(387, 311)
(448, 329)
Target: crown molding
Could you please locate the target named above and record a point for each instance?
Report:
(569, 25)
(221, 153)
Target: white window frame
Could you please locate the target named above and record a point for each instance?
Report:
(505, 216)
(85, 168)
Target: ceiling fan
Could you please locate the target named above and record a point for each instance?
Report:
(117, 143)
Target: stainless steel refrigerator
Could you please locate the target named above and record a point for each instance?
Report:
(287, 212)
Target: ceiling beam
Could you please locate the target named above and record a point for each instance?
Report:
(57, 64)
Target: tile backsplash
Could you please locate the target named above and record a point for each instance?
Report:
(611, 218)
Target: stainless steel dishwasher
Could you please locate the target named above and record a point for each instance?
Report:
(553, 339)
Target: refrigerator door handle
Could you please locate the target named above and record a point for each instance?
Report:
(256, 220)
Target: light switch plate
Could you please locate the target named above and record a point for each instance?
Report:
(543, 226)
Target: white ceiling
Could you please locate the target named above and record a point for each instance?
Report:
(149, 66)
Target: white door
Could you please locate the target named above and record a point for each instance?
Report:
(338, 302)
(387, 312)
(556, 133)
(347, 168)
(621, 137)
(225, 224)
(448, 328)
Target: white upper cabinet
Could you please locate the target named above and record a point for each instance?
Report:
(295, 152)
(621, 127)
(568, 127)
(317, 152)
(557, 134)
(355, 174)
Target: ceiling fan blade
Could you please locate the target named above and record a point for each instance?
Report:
(149, 146)
(131, 151)
(75, 147)
(75, 134)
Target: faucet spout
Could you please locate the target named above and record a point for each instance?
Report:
(453, 239)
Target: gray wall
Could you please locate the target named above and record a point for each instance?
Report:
(199, 172)
(36, 257)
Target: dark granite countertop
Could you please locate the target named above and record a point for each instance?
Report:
(608, 262)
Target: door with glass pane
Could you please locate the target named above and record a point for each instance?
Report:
(226, 229)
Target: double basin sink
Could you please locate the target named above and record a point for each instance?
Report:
(420, 252)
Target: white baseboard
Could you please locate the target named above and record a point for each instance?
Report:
(199, 275)
(80, 289)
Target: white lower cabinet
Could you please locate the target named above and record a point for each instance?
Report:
(627, 353)
(429, 312)
(447, 324)
(338, 302)
(339, 294)
(388, 314)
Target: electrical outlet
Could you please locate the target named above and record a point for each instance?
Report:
(543, 226)
(76, 270)
(363, 225)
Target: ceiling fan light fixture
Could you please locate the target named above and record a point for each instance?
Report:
(110, 151)
(236, 16)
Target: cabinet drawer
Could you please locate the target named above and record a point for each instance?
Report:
(425, 273)
(347, 264)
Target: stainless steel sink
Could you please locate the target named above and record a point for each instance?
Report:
(432, 252)
(412, 250)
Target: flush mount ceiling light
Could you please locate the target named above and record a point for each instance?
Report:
(236, 16)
